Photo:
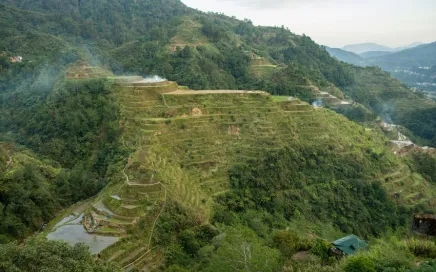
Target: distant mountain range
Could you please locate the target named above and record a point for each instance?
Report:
(365, 47)
(369, 47)
(373, 54)
(415, 65)
(422, 55)
(409, 46)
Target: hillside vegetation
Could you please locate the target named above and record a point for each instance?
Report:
(345, 56)
(203, 51)
(214, 176)
(200, 159)
(414, 66)
(74, 131)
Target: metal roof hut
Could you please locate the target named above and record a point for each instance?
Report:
(349, 245)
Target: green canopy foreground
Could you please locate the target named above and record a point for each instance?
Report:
(350, 244)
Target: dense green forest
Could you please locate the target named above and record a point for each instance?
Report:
(331, 183)
(425, 164)
(41, 255)
(61, 141)
(414, 66)
(74, 129)
(272, 204)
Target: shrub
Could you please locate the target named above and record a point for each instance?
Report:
(426, 267)
(321, 249)
(421, 248)
(288, 242)
(359, 263)
(177, 268)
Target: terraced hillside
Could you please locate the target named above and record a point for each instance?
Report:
(183, 143)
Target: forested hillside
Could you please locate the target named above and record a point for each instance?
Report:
(188, 180)
(345, 56)
(421, 56)
(74, 132)
(203, 51)
(414, 66)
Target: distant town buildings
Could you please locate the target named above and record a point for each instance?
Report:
(16, 59)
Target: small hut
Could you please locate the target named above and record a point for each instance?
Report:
(424, 224)
(348, 245)
(16, 59)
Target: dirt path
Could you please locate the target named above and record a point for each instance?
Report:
(10, 161)
(151, 233)
(125, 175)
(82, 207)
(129, 266)
(132, 255)
(182, 92)
(148, 249)
(300, 256)
(115, 255)
(157, 217)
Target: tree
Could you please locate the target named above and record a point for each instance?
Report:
(242, 250)
(287, 242)
(39, 254)
(359, 264)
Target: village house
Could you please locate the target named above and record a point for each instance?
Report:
(16, 59)
(424, 224)
(348, 245)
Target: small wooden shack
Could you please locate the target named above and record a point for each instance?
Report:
(424, 224)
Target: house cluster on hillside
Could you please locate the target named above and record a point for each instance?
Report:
(12, 59)
(16, 59)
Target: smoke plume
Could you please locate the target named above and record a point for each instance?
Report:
(153, 79)
(317, 104)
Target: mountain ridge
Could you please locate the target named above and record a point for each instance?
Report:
(422, 55)
(365, 47)
(371, 54)
(345, 56)
(362, 48)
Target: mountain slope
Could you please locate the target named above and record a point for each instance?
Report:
(371, 54)
(365, 47)
(412, 45)
(181, 46)
(188, 148)
(424, 55)
(345, 56)
(196, 49)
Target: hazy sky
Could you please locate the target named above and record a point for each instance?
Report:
(337, 23)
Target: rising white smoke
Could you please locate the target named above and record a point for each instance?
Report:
(317, 103)
(153, 79)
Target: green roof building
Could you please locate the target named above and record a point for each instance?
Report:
(350, 244)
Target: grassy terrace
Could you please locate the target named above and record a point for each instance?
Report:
(184, 143)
